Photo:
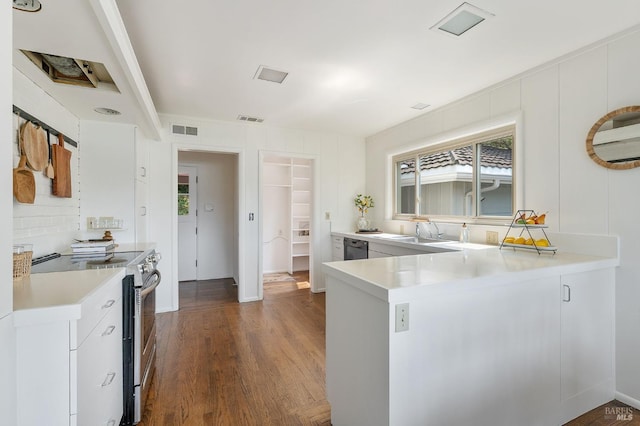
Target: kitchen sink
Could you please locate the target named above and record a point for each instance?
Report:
(410, 239)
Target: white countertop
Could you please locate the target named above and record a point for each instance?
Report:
(395, 278)
(57, 295)
(122, 247)
(408, 241)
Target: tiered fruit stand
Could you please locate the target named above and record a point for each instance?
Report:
(526, 229)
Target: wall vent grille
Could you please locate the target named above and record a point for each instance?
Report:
(177, 129)
(250, 119)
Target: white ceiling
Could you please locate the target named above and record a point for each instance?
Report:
(355, 67)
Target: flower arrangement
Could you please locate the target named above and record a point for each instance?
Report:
(363, 203)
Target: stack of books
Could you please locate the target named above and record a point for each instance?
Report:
(93, 249)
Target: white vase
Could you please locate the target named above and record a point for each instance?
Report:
(363, 223)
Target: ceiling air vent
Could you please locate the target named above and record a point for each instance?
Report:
(250, 119)
(462, 19)
(78, 72)
(177, 129)
(268, 74)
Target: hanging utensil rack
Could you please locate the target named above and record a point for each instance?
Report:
(23, 114)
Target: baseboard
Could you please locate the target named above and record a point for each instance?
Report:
(628, 400)
(249, 299)
(587, 400)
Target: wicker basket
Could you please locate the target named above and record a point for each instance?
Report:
(22, 264)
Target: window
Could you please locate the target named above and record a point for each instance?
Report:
(468, 177)
(183, 195)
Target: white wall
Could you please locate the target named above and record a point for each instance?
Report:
(339, 176)
(107, 176)
(559, 103)
(217, 241)
(51, 222)
(7, 334)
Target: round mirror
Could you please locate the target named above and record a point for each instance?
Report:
(614, 141)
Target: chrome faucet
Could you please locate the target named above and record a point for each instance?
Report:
(438, 233)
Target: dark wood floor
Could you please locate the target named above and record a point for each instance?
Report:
(262, 363)
(225, 363)
(607, 414)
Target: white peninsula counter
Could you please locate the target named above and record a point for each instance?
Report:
(495, 337)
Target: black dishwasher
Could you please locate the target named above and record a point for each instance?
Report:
(355, 249)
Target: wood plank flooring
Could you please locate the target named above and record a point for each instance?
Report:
(606, 415)
(220, 362)
(225, 363)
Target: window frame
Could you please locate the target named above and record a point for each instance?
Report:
(473, 136)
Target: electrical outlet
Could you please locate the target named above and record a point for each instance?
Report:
(402, 317)
(402, 229)
(327, 215)
(492, 237)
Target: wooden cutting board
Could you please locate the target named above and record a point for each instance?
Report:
(61, 168)
(34, 146)
(24, 184)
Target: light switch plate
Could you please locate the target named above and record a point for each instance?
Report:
(492, 237)
(402, 317)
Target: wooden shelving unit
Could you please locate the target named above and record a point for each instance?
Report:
(301, 186)
(295, 176)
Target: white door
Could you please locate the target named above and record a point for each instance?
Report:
(187, 223)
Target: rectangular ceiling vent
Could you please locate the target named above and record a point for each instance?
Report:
(250, 119)
(177, 129)
(78, 72)
(461, 20)
(269, 74)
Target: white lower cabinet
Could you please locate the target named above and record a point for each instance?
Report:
(521, 352)
(70, 371)
(587, 328)
(99, 367)
(7, 370)
(337, 248)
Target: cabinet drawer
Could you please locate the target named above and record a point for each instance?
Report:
(96, 307)
(99, 371)
(337, 248)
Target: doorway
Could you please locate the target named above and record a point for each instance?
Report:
(187, 223)
(207, 224)
(287, 205)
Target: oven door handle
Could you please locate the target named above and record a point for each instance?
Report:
(156, 283)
